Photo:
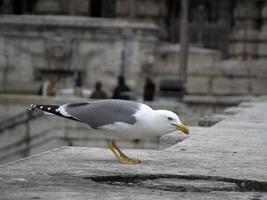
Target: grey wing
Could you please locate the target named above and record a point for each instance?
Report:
(104, 112)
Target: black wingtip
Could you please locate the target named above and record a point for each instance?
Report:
(32, 106)
(52, 109)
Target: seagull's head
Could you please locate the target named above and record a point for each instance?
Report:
(168, 122)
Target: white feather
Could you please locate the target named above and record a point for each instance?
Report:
(62, 110)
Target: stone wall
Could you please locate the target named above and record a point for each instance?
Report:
(230, 77)
(209, 74)
(29, 44)
(151, 11)
(248, 38)
(169, 56)
(244, 39)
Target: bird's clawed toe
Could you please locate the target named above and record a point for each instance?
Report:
(126, 160)
(122, 158)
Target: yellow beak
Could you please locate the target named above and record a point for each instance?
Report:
(183, 128)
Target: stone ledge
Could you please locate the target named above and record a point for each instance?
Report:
(218, 100)
(75, 172)
(68, 21)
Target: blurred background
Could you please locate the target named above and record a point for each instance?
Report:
(195, 57)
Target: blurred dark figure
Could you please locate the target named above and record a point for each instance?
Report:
(121, 91)
(78, 84)
(149, 90)
(98, 93)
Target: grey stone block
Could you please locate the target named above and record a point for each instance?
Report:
(259, 86)
(210, 120)
(170, 139)
(224, 85)
(198, 84)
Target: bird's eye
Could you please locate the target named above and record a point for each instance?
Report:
(170, 118)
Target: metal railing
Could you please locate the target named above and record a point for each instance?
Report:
(21, 118)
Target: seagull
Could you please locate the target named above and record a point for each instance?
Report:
(119, 119)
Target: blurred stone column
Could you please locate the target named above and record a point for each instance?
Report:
(244, 37)
(183, 42)
(263, 34)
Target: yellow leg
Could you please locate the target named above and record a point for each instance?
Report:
(124, 156)
(120, 155)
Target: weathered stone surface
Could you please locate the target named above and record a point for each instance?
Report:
(244, 38)
(199, 59)
(170, 139)
(210, 120)
(221, 162)
(199, 85)
(76, 173)
(258, 86)
(248, 117)
(231, 77)
(218, 100)
(224, 85)
(232, 110)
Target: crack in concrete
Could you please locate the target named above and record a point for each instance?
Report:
(241, 185)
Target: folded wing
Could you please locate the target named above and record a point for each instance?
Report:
(103, 112)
